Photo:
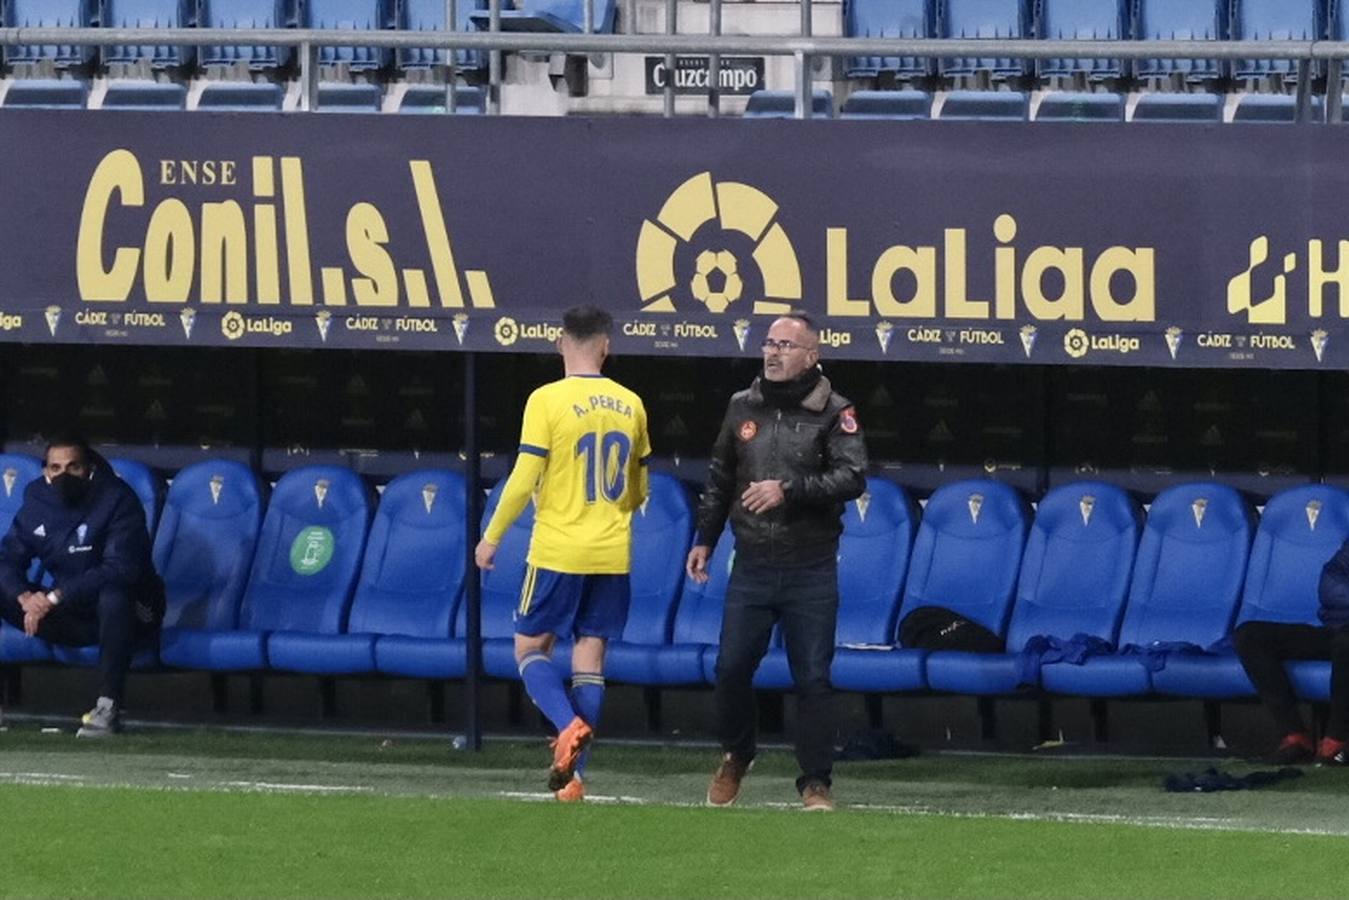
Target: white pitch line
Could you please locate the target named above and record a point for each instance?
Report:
(308, 788)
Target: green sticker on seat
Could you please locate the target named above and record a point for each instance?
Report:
(312, 550)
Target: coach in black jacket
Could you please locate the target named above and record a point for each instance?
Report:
(86, 528)
(788, 456)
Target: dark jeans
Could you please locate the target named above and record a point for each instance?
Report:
(111, 623)
(1263, 647)
(805, 600)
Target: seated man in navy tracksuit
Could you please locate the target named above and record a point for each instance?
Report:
(87, 529)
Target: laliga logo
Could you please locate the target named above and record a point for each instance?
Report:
(716, 282)
(1272, 310)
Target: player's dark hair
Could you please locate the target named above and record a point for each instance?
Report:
(70, 439)
(582, 323)
(804, 318)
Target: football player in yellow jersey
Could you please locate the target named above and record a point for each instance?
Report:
(583, 454)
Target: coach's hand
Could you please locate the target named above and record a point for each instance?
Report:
(761, 496)
(484, 554)
(696, 565)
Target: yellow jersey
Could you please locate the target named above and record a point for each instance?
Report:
(583, 455)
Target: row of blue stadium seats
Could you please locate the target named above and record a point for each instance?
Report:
(1053, 106)
(1096, 20)
(315, 579)
(239, 96)
(345, 15)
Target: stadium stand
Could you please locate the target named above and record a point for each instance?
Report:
(986, 106)
(890, 19)
(150, 14)
(984, 19)
(1080, 106)
(1180, 20)
(1082, 20)
(1274, 20)
(429, 15)
(782, 105)
(907, 104)
(553, 15)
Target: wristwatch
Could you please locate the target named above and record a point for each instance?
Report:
(53, 598)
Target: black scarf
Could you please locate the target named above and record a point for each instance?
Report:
(789, 394)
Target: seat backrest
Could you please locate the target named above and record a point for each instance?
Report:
(1274, 20)
(205, 543)
(151, 14)
(569, 15)
(698, 618)
(873, 559)
(1179, 20)
(429, 15)
(412, 577)
(1300, 531)
(968, 552)
(147, 484)
(1075, 572)
(1082, 20)
(907, 19)
(50, 14)
(16, 470)
(661, 531)
(1002, 19)
(248, 14)
(1190, 567)
(309, 552)
(501, 584)
(352, 15)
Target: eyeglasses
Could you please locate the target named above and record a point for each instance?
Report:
(781, 346)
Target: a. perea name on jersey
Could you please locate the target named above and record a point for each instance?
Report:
(250, 243)
(602, 401)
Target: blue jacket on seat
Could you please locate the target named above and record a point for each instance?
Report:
(1334, 589)
(99, 543)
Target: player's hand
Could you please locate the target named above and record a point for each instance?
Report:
(484, 555)
(696, 564)
(761, 496)
(31, 601)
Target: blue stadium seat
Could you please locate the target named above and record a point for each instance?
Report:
(552, 16)
(16, 471)
(241, 96)
(151, 14)
(248, 14)
(145, 95)
(985, 106)
(906, 104)
(903, 19)
(1180, 20)
(303, 573)
(1189, 108)
(1186, 583)
(873, 560)
(344, 97)
(1300, 530)
(47, 93)
(1074, 578)
(661, 532)
(430, 98)
(50, 14)
(966, 19)
(412, 578)
(1082, 20)
(1275, 109)
(353, 15)
(1075, 106)
(147, 484)
(782, 104)
(429, 15)
(412, 582)
(965, 557)
(1274, 20)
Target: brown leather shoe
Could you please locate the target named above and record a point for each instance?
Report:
(815, 797)
(725, 786)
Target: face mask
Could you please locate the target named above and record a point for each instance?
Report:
(72, 489)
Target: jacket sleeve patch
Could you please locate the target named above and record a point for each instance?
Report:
(847, 421)
(748, 429)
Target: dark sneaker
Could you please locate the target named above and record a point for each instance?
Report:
(725, 786)
(103, 720)
(815, 797)
(1331, 752)
(566, 751)
(1295, 749)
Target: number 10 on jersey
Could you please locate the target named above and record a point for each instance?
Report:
(605, 458)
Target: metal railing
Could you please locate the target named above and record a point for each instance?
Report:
(803, 47)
